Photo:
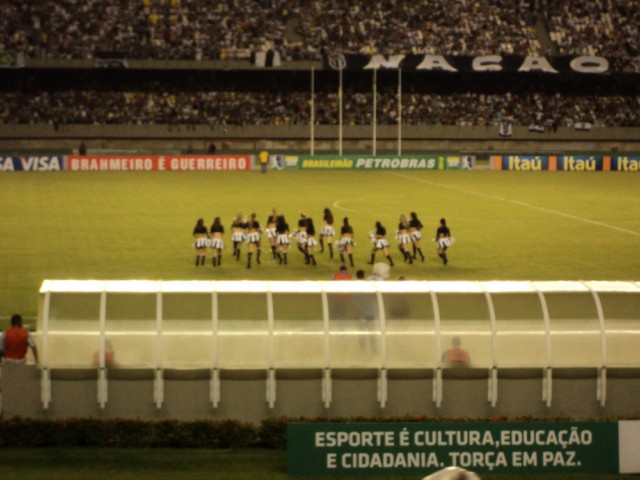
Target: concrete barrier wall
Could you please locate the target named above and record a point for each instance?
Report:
(354, 393)
(297, 137)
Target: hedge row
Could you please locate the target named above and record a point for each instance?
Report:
(270, 433)
(130, 433)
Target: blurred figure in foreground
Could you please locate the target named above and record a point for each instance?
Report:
(452, 473)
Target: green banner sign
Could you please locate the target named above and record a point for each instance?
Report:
(385, 162)
(422, 448)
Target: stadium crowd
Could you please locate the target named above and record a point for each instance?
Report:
(194, 30)
(254, 108)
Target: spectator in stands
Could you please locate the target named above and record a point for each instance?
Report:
(16, 342)
(456, 356)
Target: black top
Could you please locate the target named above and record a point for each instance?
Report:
(346, 229)
(443, 231)
(200, 230)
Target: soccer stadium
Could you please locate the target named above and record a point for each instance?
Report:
(378, 238)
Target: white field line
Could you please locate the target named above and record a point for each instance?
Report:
(516, 202)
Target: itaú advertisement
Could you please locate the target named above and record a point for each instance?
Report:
(158, 162)
(567, 163)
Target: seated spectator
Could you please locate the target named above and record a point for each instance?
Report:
(456, 356)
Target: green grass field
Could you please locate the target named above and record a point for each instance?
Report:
(138, 225)
(164, 464)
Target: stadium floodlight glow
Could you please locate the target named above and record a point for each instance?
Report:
(305, 286)
(187, 286)
(72, 286)
(408, 286)
(241, 286)
(560, 286)
(132, 286)
(611, 286)
(456, 287)
(508, 287)
(350, 287)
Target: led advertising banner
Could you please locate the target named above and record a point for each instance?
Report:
(383, 162)
(418, 448)
(158, 162)
(40, 163)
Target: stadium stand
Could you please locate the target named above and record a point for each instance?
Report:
(186, 29)
(302, 31)
(91, 107)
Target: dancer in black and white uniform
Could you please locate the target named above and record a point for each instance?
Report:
(346, 243)
(238, 234)
(404, 238)
(201, 241)
(327, 232)
(415, 230)
(217, 242)
(380, 242)
(253, 239)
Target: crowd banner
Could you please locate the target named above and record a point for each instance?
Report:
(568, 163)
(417, 448)
(384, 162)
(556, 65)
(159, 162)
(11, 59)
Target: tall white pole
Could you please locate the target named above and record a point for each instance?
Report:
(399, 111)
(340, 113)
(375, 111)
(313, 111)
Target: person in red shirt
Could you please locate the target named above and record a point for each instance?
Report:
(16, 341)
(342, 274)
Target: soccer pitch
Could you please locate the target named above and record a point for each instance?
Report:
(138, 225)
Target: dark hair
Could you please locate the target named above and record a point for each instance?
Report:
(16, 319)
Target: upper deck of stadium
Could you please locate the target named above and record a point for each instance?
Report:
(305, 29)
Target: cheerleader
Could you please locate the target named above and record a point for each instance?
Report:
(380, 242)
(201, 241)
(237, 234)
(415, 230)
(404, 239)
(282, 240)
(327, 231)
(253, 239)
(301, 234)
(310, 243)
(270, 231)
(443, 240)
(346, 243)
(217, 243)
